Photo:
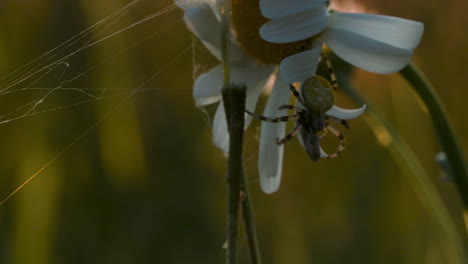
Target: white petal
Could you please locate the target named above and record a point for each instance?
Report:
(300, 66)
(184, 4)
(270, 160)
(366, 53)
(280, 8)
(295, 27)
(207, 87)
(323, 154)
(345, 114)
(395, 31)
(220, 133)
(201, 20)
(253, 93)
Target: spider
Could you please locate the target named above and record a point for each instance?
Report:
(312, 122)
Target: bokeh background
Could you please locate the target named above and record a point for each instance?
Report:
(142, 181)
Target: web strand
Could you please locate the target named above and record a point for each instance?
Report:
(50, 63)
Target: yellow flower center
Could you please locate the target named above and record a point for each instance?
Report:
(246, 21)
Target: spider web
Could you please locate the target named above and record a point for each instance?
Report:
(30, 84)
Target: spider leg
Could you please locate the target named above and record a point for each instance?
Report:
(339, 121)
(340, 136)
(334, 80)
(296, 94)
(291, 107)
(288, 136)
(274, 120)
(323, 134)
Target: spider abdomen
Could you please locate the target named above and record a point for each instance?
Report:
(318, 94)
(311, 143)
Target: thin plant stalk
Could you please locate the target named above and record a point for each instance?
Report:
(235, 151)
(249, 223)
(234, 97)
(444, 130)
(234, 102)
(418, 177)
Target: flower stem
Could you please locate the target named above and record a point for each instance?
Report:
(225, 40)
(234, 97)
(234, 102)
(238, 193)
(249, 223)
(443, 128)
(418, 177)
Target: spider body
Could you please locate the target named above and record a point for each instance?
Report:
(316, 98)
(311, 119)
(317, 94)
(311, 124)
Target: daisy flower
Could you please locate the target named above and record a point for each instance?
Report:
(291, 40)
(376, 43)
(203, 20)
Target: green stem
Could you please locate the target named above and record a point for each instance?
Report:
(443, 128)
(234, 102)
(418, 178)
(225, 40)
(234, 97)
(249, 223)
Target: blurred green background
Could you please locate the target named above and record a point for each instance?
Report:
(144, 184)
